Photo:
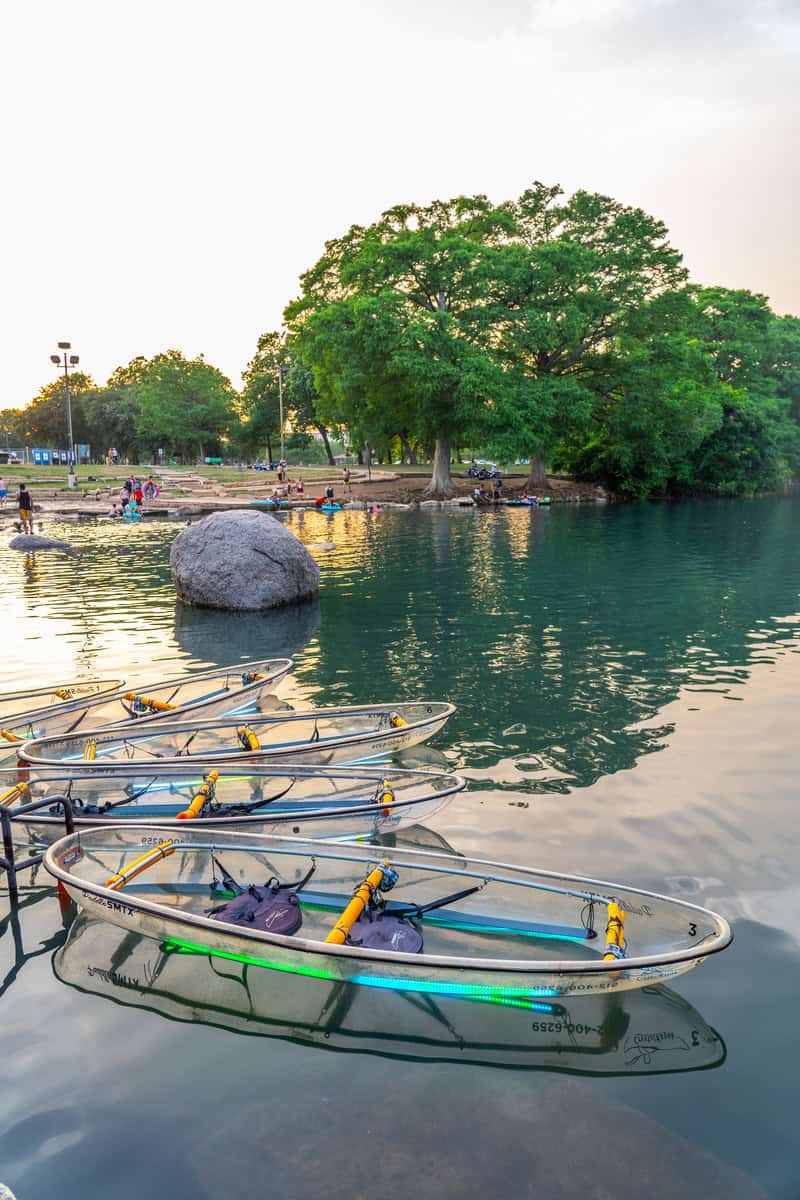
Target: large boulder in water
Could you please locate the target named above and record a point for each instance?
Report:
(241, 560)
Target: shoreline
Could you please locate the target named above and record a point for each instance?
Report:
(195, 494)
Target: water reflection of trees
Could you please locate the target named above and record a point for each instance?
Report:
(556, 633)
(572, 625)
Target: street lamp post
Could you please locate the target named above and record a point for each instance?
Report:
(280, 407)
(70, 360)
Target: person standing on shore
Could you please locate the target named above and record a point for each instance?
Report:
(3, 493)
(346, 479)
(25, 505)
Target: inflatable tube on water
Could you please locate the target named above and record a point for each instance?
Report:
(331, 508)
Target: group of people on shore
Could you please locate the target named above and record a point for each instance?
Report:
(132, 497)
(495, 496)
(286, 488)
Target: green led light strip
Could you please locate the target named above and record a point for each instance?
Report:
(475, 991)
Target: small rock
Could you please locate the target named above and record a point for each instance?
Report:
(34, 541)
(322, 546)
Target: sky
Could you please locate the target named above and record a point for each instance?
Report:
(170, 168)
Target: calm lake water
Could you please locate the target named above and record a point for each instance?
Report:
(627, 685)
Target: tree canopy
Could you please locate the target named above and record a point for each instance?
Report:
(549, 328)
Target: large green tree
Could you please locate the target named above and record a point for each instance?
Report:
(45, 418)
(756, 359)
(12, 431)
(696, 393)
(472, 322)
(184, 405)
(393, 320)
(575, 276)
(656, 399)
(260, 398)
(306, 405)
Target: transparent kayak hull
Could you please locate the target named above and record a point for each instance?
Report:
(316, 736)
(207, 694)
(297, 800)
(520, 933)
(650, 1031)
(53, 699)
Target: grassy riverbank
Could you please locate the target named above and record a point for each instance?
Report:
(193, 489)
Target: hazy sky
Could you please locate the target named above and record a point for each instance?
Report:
(171, 167)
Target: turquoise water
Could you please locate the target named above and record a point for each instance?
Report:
(627, 682)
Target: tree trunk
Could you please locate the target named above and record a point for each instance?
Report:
(440, 486)
(269, 451)
(537, 477)
(324, 435)
(360, 458)
(408, 450)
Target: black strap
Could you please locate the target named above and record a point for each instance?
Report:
(237, 810)
(129, 799)
(230, 884)
(416, 910)
(301, 883)
(227, 880)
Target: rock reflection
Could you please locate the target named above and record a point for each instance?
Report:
(209, 635)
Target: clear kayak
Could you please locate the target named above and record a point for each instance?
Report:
(53, 698)
(649, 1031)
(321, 736)
(224, 691)
(432, 923)
(309, 801)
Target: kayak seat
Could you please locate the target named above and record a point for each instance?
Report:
(271, 909)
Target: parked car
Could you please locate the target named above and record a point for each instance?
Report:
(490, 471)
